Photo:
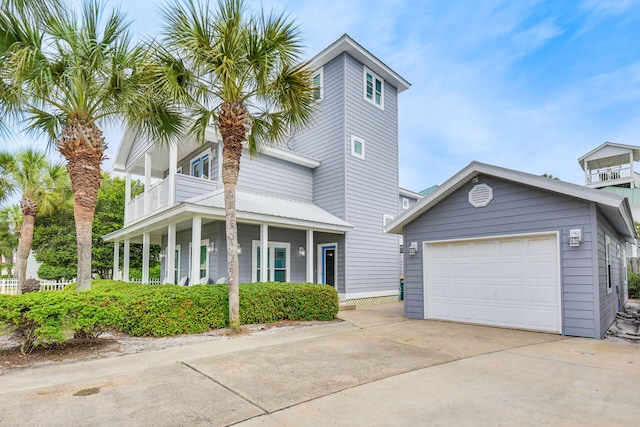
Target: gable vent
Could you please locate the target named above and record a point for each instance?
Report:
(480, 195)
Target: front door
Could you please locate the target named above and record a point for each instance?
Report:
(328, 264)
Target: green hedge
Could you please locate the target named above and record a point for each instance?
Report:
(42, 318)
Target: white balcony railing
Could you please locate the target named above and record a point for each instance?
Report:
(157, 197)
(609, 175)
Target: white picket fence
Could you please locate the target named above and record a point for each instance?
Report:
(10, 286)
(149, 282)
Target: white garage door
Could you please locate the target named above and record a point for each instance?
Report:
(511, 282)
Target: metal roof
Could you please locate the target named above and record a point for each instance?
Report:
(274, 207)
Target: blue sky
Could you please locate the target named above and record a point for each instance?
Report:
(528, 85)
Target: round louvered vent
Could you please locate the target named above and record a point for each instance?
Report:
(480, 195)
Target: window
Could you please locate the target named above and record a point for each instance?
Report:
(373, 88)
(278, 260)
(201, 166)
(357, 147)
(607, 257)
(204, 260)
(318, 83)
(176, 265)
(405, 203)
(386, 220)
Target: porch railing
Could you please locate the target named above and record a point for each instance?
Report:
(157, 197)
(610, 174)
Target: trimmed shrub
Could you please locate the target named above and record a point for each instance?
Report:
(43, 318)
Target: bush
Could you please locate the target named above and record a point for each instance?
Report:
(42, 318)
(51, 272)
(136, 273)
(634, 285)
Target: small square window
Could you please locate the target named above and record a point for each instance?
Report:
(373, 88)
(357, 147)
(405, 203)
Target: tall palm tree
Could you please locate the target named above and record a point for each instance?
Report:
(241, 73)
(42, 186)
(69, 74)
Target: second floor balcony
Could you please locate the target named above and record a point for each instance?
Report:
(160, 195)
(612, 176)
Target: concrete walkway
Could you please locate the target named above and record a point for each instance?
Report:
(375, 368)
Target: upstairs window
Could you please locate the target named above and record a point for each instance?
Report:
(201, 166)
(373, 88)
(405, 203)
(357, 147)
(318, 84)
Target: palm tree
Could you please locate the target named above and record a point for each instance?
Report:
(42, 186)
(241, 73)
(68, 75)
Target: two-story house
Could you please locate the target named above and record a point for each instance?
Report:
(316, 208)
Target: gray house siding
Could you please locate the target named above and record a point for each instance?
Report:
(188, 186)
(140, 146)
(185, 162)
(515, 209)
(324, 141)
(609, 300)
(268, 175)
(371, 186)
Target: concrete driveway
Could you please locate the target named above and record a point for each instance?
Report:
(375, 368)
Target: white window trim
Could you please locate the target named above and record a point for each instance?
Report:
(166, 262)
(270, 247)
(355, 138)
(386, 217)
(204, 243)
(320, 72)
(364, 85)
(405, 203)
(179, 169)
(199, 158)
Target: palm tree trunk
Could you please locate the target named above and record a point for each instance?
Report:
(24, 247)
(82, 144)
(233, 128)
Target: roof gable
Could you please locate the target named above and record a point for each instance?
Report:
(616, 208)
(610, 150)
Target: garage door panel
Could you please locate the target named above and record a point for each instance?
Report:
(510, 282)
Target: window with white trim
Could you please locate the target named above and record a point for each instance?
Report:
(357, 147)
(201, 165)
(204, 260)
(278, 261)
(318, 84)
(405, 203)
(607, 257)
(373, 88)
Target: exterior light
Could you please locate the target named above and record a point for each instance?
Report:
(211, 247)
(239, 249)
(301, 251)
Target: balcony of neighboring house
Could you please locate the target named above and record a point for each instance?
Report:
(611, 165)
(170, 173)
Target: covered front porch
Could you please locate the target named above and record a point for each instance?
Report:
(303, 242)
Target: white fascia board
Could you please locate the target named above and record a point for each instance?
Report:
(476, 168)
(120, 162)
(291, 157)
(347, 44)
(408, 193)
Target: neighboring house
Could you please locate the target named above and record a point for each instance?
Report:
(318, 206)
(499, 247)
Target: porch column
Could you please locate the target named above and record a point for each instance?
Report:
(196, 237)
(146, 241)
(125, 261)
(310, 256)
(633, 178)
(264, 251)
(147, 182)
(116, 261)
(587, 177)
(170, 258)
(127, 198)
(173, 168)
